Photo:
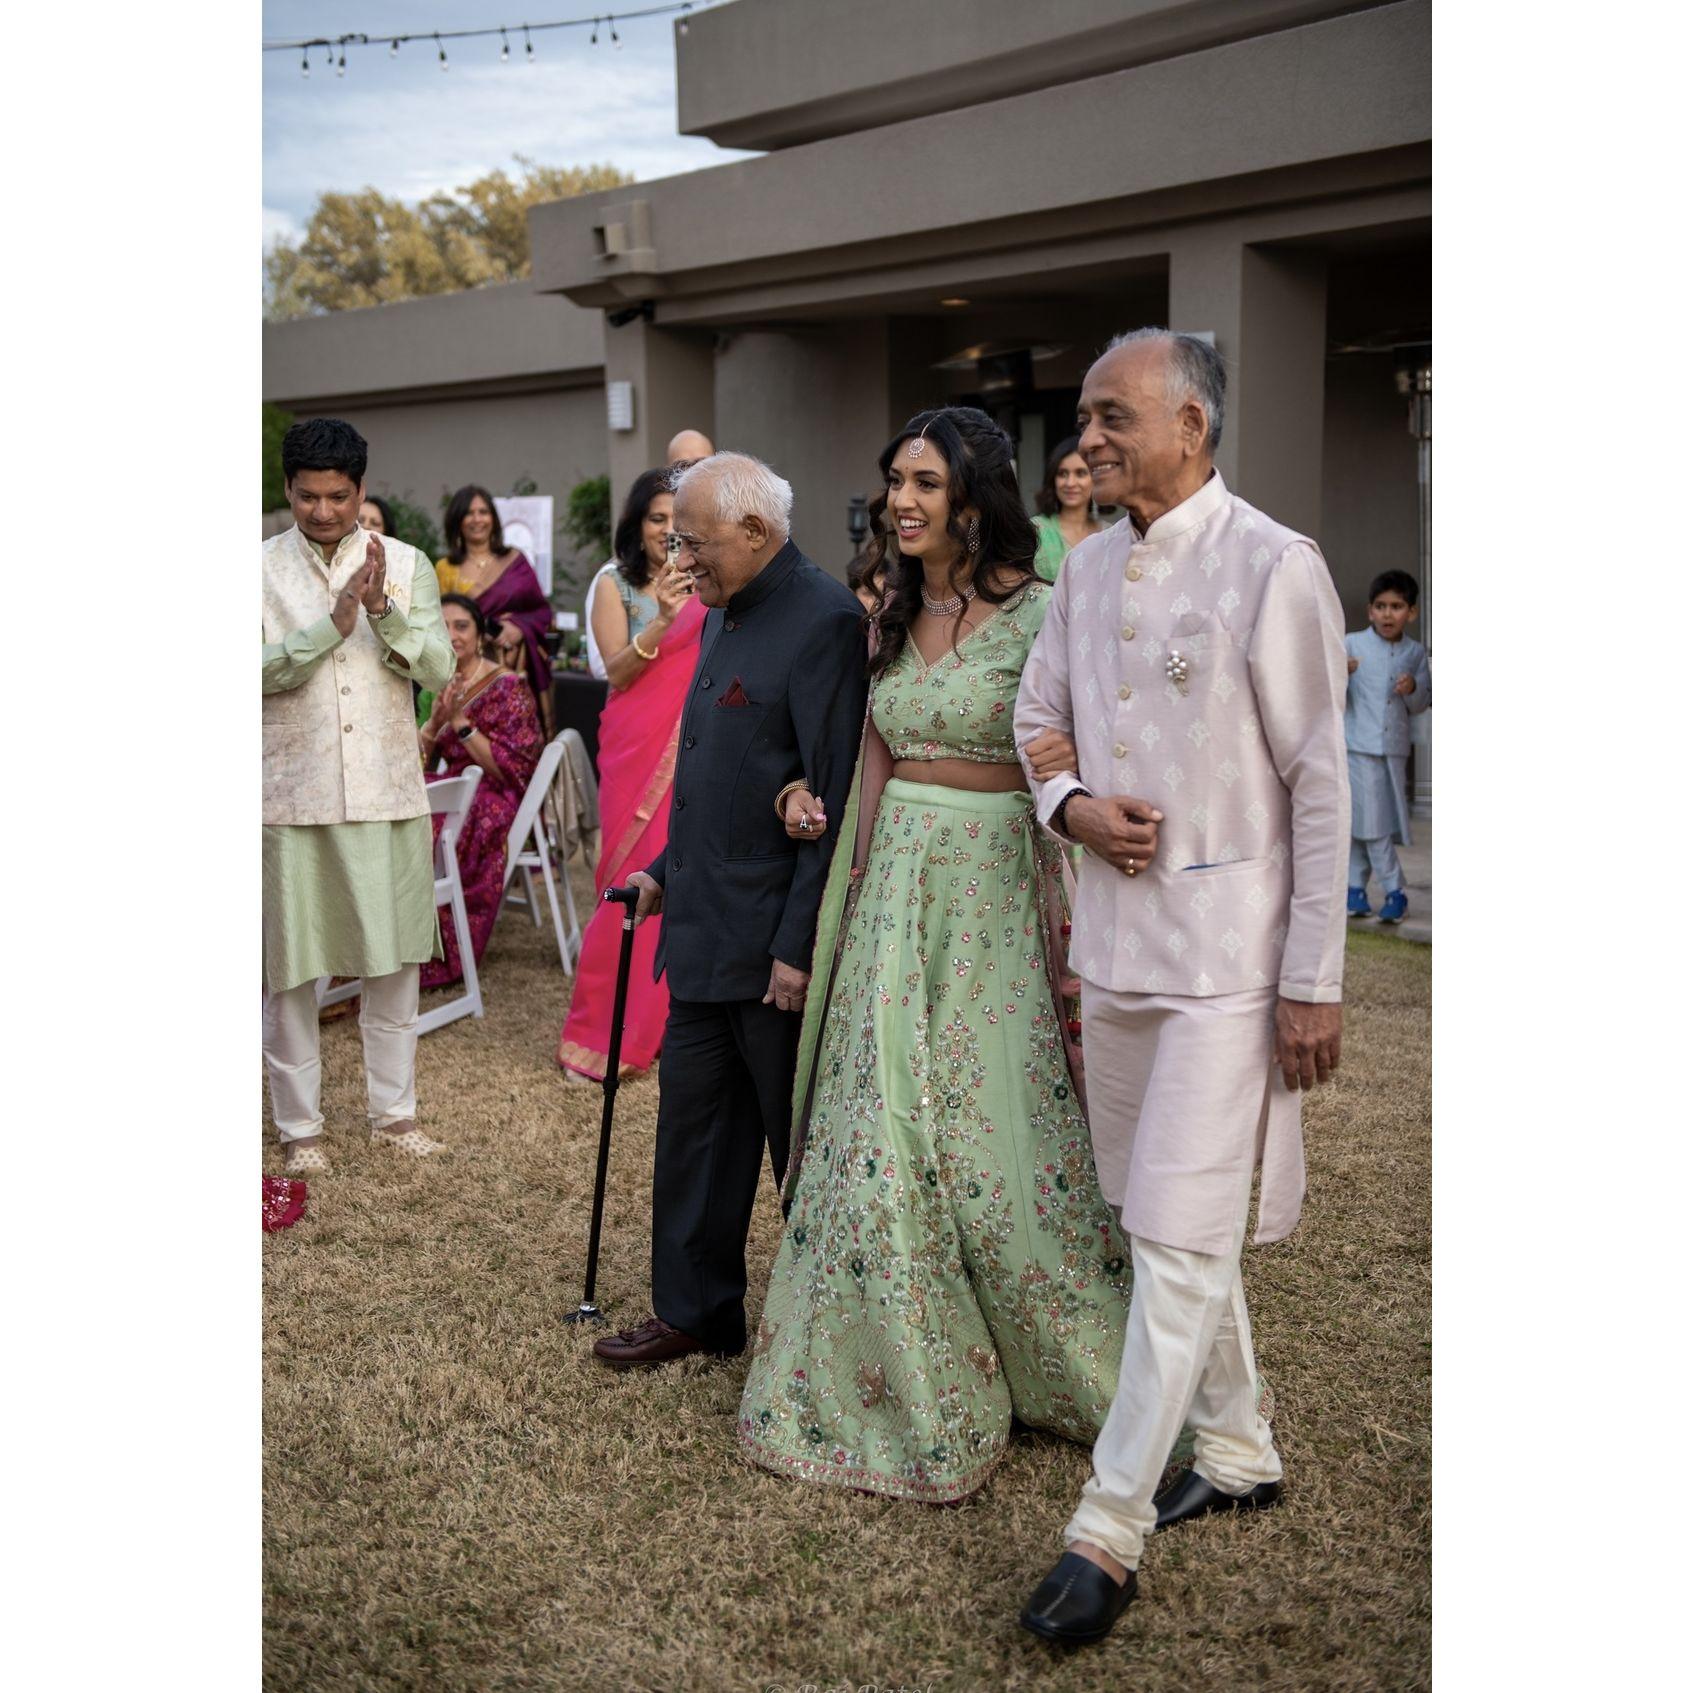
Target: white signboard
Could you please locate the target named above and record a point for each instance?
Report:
(527, 520)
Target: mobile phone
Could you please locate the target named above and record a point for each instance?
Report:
(673, 551)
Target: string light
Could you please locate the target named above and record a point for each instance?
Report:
(335, 48)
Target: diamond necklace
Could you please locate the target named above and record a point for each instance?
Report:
(947, 608)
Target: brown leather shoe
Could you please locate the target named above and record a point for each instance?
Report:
(651, 1342)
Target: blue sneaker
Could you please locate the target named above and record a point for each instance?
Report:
(1393, 907)
(1357, 903)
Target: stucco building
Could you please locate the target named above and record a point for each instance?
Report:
(962, 199)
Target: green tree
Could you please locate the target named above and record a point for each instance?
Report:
(274, 427)
(366, 249)
(412, 523)
(587, 518)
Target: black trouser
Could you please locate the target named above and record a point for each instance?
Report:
(726, 1080)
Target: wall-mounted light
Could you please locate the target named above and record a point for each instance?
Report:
(955, 300)
(620, 406)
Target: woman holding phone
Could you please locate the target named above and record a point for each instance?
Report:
(646, 627)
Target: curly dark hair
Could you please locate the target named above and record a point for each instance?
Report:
(633, 564)
(982, 476)
(458, 508)
(1046, 501)
(324, 443)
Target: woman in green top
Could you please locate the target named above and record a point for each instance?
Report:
(1065, 508)
(948, 1261)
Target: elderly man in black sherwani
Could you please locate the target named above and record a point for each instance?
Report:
(779, 695)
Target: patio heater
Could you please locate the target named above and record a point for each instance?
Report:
(858, 522)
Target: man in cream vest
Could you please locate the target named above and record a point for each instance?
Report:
(1194, 656)
(351, 619)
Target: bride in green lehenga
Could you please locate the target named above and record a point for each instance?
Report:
(948, 1261)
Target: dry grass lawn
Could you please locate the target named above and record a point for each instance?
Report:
(459, 1498)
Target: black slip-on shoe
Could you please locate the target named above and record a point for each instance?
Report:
(1190, 1495)
(1077, 1603)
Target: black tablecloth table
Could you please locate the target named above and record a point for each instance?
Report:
(578, 700)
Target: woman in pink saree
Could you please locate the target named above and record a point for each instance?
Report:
(646, 626)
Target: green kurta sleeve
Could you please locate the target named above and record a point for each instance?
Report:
(291, 660)
(416, 641)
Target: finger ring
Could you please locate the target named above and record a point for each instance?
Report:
(1132, 867)
(805, 825)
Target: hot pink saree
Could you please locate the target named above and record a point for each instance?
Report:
(638, 732)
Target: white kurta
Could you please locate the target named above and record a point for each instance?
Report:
(1243, 753)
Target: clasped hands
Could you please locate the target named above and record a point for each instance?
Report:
(787, 985)
(367, 587)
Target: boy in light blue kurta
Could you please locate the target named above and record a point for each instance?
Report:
(1387, 682)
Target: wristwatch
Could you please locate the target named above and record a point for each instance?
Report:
(388, 609)
(1063, 806)
(466, 732)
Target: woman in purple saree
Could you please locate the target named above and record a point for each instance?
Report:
(502, 582)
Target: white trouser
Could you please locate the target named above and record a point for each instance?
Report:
(388, 1022)
(1187, 1358)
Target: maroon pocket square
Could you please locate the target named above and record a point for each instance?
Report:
(734, 694)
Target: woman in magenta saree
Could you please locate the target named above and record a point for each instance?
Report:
(501, 580)
(647, 626)
(485, 716)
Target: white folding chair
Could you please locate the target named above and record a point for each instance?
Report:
(528, 851)
(450, 799)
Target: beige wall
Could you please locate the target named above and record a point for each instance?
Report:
(1369, 521)
(814, 406)
(493, 386)
(770, 73)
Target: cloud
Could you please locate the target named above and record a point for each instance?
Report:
(399, 126)
(280, 226)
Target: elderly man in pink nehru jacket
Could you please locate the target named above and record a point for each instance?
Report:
(1193, 658)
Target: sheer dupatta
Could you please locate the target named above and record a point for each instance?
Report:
(1053, 903)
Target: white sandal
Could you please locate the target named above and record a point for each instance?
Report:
(305, 1160)
(414, 1142)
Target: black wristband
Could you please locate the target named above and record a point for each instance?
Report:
(1064, 806)
(466, 732)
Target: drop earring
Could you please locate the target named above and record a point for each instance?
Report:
(973, 537)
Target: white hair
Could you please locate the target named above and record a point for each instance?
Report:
(1194, 372)
(739, 486)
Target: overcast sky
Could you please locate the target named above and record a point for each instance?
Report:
(406, 127)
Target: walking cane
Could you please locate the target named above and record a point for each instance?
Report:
(588, 1311)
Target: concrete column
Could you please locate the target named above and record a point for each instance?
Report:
(1268, 309)
(672, 373)
(813, 404)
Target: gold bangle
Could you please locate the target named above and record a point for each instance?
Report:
(782, 798)
(635, 642)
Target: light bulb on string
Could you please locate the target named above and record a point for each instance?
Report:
(394, 48)
(682, 22)
(528, 46)
(341, 63)
(594, 39)
(305, 64)
(328, 56)
(505, 48)
(615, 41)
(443, 52)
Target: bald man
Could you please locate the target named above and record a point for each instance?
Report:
(687, 446)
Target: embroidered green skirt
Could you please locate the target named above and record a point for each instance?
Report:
(948, 1261)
